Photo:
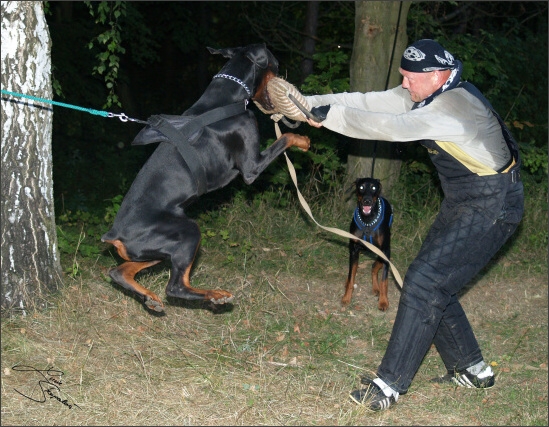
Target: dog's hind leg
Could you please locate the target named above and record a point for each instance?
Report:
(180, 287)
(182, 260)
(125, 273)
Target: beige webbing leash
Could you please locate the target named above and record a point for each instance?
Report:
(337, 231)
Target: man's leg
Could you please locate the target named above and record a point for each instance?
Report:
(455, 340)
(459, 244)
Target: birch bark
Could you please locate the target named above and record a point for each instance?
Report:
(31, 268)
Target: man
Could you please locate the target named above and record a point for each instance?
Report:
(478, 164)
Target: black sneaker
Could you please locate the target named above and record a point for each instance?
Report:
(372, 396)
(484, 379)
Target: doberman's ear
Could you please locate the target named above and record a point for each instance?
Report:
(260, 56)
(228, 52)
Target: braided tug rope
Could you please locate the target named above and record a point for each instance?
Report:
(281, 93)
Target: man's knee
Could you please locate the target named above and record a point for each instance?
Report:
(426, 298)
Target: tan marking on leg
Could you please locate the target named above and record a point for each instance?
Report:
(215, 296)
(300, 141)
(125, 273)
(350, 285)
(383, 299)
(376, 266)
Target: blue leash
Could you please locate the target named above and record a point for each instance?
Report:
(121, 116)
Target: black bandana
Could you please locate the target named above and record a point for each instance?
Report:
(426, 55)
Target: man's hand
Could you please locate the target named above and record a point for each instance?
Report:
(314, 124)
(320, 114)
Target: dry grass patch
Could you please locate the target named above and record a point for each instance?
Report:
(286, 352)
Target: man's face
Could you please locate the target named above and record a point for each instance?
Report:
(420, 85)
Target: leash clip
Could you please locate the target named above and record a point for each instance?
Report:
(121, 116)
(124, 118)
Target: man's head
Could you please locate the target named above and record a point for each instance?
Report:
(425, 66)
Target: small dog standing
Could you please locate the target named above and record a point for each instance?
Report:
(371, 222)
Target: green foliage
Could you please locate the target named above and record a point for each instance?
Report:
(108, 13)
(77, 224)
(78, 234)
(321, 166)
(112, 210)
(534, 160)
(80, 231)
(332, 75)
(47, 9)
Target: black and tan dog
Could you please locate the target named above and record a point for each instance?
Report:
(200, 151)
(371, 222)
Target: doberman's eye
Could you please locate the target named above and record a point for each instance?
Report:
(361, 188)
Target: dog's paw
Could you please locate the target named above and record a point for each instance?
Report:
(383, 306)
(153, 304)
(223, 300)
(304, 144)
(300, 141)
(346, 299)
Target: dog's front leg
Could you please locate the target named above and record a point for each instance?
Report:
(252, 167)
(380, 288)
(295, 140)
(354, 252)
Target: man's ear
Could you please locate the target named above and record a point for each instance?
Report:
(442, 75)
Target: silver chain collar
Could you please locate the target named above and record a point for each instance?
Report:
(361, 224)
(234, 79)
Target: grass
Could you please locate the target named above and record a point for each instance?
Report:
(286, 352)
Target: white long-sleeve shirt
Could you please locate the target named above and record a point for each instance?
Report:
(458, 122)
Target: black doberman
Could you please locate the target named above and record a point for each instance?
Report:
(151, 224)
(371, 222)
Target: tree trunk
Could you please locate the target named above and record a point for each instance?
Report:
(30, 258)
(309, 40)
(374, 47)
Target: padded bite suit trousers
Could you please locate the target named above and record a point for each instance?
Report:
(476, 218)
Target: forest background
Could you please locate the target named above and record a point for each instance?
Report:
(161, 65)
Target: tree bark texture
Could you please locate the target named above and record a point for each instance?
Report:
(31, 267)
(309, 39)
(374, 47)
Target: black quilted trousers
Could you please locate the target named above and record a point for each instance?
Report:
(476, 217)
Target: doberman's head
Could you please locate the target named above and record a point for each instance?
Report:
(367, 193)
(264, 66)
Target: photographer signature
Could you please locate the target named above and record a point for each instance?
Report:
(49, 384)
